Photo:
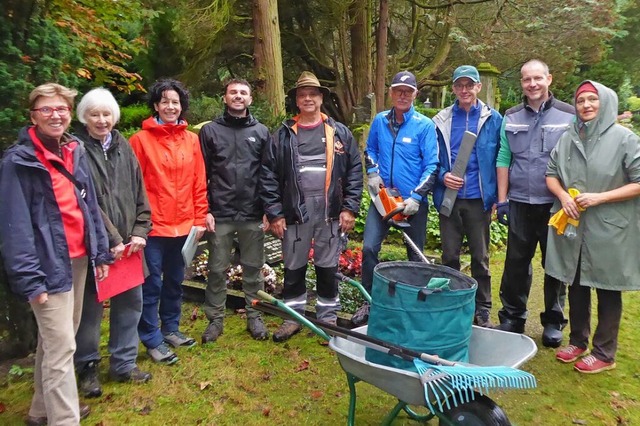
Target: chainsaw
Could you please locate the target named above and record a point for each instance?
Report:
(390, 204)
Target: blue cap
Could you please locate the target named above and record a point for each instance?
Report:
(404, 78)
(467, 71)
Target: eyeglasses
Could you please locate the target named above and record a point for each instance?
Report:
(403, 92)
(47, 112)
(468, 86)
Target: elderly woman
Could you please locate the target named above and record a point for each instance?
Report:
(50, 231)
(601, 159)
(174, 174)
(127, 216)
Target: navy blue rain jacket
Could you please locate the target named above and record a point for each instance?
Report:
(33, 244)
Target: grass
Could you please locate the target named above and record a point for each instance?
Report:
(240, 381)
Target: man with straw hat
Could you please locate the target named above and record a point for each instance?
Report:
(311, 184)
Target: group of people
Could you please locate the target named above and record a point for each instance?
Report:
(75, 203)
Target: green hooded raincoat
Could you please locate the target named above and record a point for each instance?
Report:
(608, 241)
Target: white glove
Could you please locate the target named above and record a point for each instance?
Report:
(411, 206)
(374, 182)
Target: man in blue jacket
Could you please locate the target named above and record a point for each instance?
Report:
(401, 153)
(471, 214)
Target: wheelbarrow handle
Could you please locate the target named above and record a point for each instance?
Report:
(345, 279)
(299, 318)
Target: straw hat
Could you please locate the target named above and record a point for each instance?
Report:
(308, 79)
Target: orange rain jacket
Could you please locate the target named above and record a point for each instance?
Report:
(174, 176)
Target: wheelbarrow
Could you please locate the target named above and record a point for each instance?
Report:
(488, 348)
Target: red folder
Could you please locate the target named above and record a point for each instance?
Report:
(124, 275)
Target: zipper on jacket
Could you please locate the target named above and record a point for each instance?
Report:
(393, 150)
(295, 174)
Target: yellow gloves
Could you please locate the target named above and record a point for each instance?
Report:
(560, 219)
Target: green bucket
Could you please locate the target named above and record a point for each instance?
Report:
(423, 307)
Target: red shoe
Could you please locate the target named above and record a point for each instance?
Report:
(570, 353)
(591, 365)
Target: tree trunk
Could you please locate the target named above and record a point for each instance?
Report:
(381, 54)
(361, 50)
(268, 53)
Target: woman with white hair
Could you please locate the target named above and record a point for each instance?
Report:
(125, 208)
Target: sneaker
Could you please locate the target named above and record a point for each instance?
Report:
(286, 330)
(213, 331)
(134, 376)
(257, 328)
(361, 316)
(570, 353)
(88, 381)
(178, 339)
(592, 365)
(481, 319)
(85, 410)
(163, 354)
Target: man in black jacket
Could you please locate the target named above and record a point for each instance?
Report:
(311, 186)
(232, 146)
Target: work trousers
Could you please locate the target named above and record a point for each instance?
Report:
(528, 227)
(468, 218)
(56, 393)
(296, 246)
(251, 244)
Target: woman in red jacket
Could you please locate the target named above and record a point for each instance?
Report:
(174, 175)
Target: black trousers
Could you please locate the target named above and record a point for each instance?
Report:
(605, 338)
(528, 227)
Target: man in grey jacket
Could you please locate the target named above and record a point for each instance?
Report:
(529, 132)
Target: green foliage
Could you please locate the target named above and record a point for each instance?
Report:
(132, 116)
(362, 214)
(429, 112)
(263, 111)
(204, 108)
(634, 104)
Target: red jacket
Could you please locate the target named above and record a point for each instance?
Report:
(174, 176)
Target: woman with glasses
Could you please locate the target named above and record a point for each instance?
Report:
(594, 171)
(127, 215)
(174, 175)
(51, 232)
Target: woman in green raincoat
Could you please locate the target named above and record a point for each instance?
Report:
(601, 159)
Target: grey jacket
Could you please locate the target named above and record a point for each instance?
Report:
(530, 136)
(608, 240)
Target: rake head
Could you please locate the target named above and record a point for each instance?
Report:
(446, 385)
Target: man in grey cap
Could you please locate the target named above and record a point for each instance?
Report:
(401, 153)
(311, 185)
(477, 189)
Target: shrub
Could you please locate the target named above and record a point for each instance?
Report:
(204, 108)
(132, 116)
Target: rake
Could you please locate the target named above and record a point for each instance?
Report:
(445, 382)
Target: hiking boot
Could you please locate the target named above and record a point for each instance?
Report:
(257, 328)
(162, 354)
(591, 365)
(511, 326)
(88, 381)
(570, 353)
(361, 316)
(178, 339)
(481, 319)
(85, 410)
(552, 335)
(286, 330)
(134, 376)
(212, 332)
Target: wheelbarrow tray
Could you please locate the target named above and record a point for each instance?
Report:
(487, 347)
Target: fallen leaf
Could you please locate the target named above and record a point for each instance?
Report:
(194, 314)
(266, 411)
(316, 394)
(204, 385)
(579, 422)
(146, 410)
(3, 408)
(303, 365)
(266, 377)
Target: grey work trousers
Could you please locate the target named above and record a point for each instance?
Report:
(251, 243)
(469, 218)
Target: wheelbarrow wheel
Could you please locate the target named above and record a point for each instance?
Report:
(482, 411)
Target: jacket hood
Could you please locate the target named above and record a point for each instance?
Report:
(82, 133)
(607, 113)
(229, 120)
(151, 125)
